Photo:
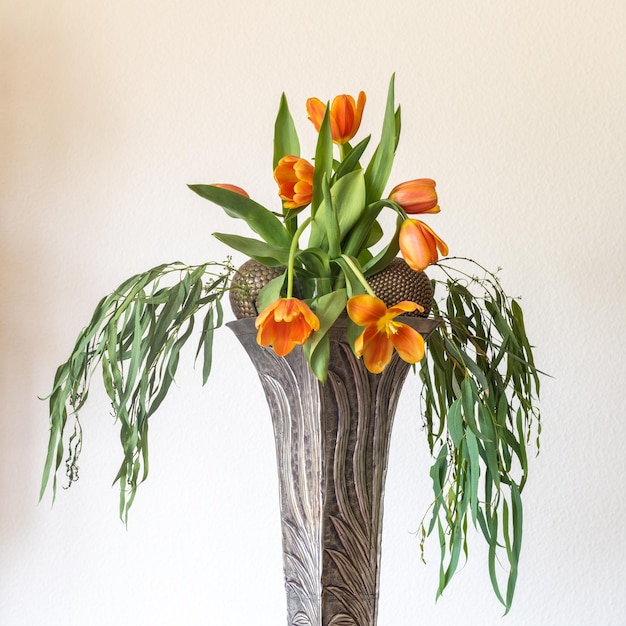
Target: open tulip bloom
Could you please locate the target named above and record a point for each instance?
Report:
(480, 385)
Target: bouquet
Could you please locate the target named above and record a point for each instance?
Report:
(324, 245)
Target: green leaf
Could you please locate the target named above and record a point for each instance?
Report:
(330, 219)
(351, 160)
(285, 136)
(398, 125)
(258, 218)
(353, 282)
(379, 168)
(386, 255)
(455, 423)
(327, 308)
(323, 162)
(490, 443)
(338, 212)
(315, 261)
(271, 292)
(348, 195)
(375, 235)
(474, 470)
(255, 249)
(359, 236)
(206, 343)
(318, 359)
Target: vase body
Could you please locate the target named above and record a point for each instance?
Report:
(332, 444)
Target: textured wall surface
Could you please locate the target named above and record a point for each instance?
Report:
(109, 109)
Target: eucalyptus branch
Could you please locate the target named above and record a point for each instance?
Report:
(136, 334)
(479, 405)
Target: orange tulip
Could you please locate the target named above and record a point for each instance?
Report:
(295, 181)
(382, 333)
(416, 196)
(345, 116)
(284, 324)
(419, 245)
(239, 190)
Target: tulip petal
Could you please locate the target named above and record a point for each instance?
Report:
(282, 343)
(415, 245)
(267, 332)
(284, 324)
(311, 319)
(404, 307)
(364, 309)
(409, 344)
(342, 114)
(360, 105)
(364, 338)
(377, 353)
(316, 110)
(437, 241)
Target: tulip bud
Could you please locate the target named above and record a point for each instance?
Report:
(416, 196)
(239, 190)
(345, 116)
(419, 245)
(295, 181)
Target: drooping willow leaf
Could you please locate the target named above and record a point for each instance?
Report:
(479, 401)
(136, 335)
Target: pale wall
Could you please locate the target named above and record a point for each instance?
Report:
(110, 108)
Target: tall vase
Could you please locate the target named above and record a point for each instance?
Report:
(332, 445)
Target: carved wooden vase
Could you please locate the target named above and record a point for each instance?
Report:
(332, 445)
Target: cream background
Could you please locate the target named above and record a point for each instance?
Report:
(516, 108)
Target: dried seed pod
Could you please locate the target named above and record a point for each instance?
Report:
(246, 284)
(398, 282)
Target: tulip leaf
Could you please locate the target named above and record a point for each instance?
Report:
(325, 227)
(348, 195)
(328, 308)
(271, 292)
(353, 281)
(375, 235)
(398, 126)
(316, 261)
(328, 221)
(339, 212)
(260, 220)
(359, 236)
(351, 160)
(379, 168)
(317, 349)
(386, 255)
(255, 249)
(323, 162)
(285, 136)
(319, 359)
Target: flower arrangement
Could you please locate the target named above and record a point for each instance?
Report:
(479, 383)
(344, 202)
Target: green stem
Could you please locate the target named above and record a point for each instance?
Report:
(358, 274)
(292, 254)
